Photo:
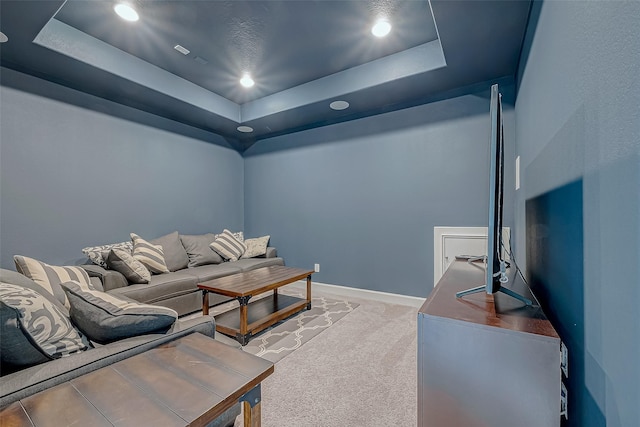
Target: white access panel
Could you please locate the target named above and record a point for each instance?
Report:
(451, 241)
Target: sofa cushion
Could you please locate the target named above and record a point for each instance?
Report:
(198, 250)
(228, 246)
(98, 254)
(161, 286)
(131, 268)
(104, 317)
(256, 247)
(152, 256)
(175, 255)
(247, 264)
(209, 272)
(50, 277)
(44, 328)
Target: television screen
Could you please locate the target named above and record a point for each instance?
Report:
(496, 275)
(496, 182)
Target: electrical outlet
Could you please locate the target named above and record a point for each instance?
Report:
(564, 359)
(316, 268)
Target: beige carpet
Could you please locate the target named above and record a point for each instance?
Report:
(359, 372)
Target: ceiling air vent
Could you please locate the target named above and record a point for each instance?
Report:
(181, 49)
(200, 60)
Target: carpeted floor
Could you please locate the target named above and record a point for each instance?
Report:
(361, 371)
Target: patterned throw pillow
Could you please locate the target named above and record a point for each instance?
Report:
(45, 325)
(105, 317)
(98, 254)
(256, 247)
(123, 262)
(150, 255)
(228, 246)
(50, 277)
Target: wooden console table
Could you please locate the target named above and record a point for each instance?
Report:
(251, 318)
(485, 360)
(186, 382)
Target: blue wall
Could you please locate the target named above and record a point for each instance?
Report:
(73, 177)
(361, 198)
(578, 118)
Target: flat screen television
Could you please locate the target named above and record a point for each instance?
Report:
(496, 275)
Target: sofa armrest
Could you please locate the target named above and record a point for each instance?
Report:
(271, 253)
(110, 279)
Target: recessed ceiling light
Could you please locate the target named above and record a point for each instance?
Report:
(339, 105)
(3, 38)
(381, 28)
(247, 81)
(245, 129)
(126, 12)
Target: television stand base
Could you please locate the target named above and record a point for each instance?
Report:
(509, 292)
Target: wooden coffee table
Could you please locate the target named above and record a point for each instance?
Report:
(186, 382)
(251, 318)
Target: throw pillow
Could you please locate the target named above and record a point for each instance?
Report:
(41, 324)
(256, 247)
(98, 254)
(151, 256)
(198, 249)
(131, 268)
(175, 256)
(104, 317)
(239, 235)
(228, 246)
(50, 277)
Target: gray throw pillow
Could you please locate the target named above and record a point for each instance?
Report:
(123, 262)
(46, 331)
(175, 256)
(105, 317)
(198, 250)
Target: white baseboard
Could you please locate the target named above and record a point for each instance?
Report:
(361, 293)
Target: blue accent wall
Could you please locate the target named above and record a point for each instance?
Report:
(73, 177)
(578, 120)
(361, 198)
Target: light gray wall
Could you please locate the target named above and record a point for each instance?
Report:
(361, 198)
(578, 117)
(73, 177)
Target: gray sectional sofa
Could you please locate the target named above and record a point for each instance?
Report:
(188, 266)
(189, 261)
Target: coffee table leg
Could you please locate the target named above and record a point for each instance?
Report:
(205, 302)
(244, 321)
(309, 292)
(251, 407)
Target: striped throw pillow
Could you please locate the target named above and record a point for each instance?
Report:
(104, 317)
(50, 277)
(228, 246)
(151, 256)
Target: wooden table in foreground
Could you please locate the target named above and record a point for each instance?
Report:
(258, 315)
(186, 382)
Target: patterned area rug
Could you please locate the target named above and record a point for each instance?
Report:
(283, 338)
